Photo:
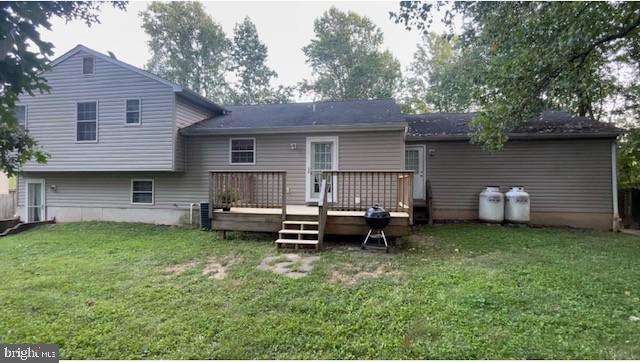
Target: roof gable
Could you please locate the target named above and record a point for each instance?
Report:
(178, 89)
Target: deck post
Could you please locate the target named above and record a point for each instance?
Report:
(284, 196)
(410, 194)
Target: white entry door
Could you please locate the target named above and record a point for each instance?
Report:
(34, 202)
(414, 160)
(322, 154)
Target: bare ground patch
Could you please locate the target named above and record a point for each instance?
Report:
(216, 267)
(181, 267)
(351, 274)
(290, 264)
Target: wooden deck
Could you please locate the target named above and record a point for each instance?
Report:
(256, 202)
(270, 220)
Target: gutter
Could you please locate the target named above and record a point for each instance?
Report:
(391, 126)
(603, 135)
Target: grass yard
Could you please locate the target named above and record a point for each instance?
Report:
(126, 291)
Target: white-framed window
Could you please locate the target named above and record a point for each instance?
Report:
(21, 115)
(87, 121)
(242, 151)
(142, 191)
(132, 112)
(88, 65)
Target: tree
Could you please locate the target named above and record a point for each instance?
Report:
(188, 47)
(439, 77)
(23, 59)
(346, 59)
(536, 55)
(249, 56)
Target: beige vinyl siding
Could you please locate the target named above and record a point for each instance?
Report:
(187, 114)
(560, 175)
(357, 150)
(52, 119)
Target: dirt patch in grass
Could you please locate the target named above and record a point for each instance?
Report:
(181, 268)
(350, 275)
(217, 267)
(290, 264)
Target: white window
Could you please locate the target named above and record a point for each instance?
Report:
(133, 108)
(21, 115)
(87, 122)
(242, 151)
(88, 65)
(142, 191)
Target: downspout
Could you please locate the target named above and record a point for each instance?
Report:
(614, 187)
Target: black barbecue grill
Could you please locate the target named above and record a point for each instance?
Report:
(377, 218)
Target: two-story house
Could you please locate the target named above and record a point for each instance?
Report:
(126, 145)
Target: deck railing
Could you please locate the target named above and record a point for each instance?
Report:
(322, 212)
(248, 189)
(354, 190)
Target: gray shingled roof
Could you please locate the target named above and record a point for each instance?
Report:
(303, 115)
(433, 125)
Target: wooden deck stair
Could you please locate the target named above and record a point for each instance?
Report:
(297, 234)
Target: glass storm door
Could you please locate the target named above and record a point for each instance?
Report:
(35, 200)
(414, 160)
(321, 156)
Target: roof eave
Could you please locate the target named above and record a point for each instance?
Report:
(198, 131)
(199, 100)
(521, 136)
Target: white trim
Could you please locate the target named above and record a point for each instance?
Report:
(26, 114)
(255, 153)
(41, 181)
(422, 165)
(394, 126)
(97, 123)
(153, 190)
(614, 187)
(93, 71)
(139, 112)
(307, 178)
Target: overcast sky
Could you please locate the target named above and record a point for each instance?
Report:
(284, 26)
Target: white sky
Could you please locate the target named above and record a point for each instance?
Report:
(284, 26)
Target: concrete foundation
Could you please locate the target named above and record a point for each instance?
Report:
(559, 219)
(175, 216)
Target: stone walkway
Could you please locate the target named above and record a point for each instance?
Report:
(290, 264)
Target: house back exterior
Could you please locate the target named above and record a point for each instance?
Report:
(128, 146)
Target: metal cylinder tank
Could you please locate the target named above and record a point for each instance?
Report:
(517, 205)
(491, 205)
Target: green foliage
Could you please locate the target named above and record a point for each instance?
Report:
(230, 195)
(346, 59)
(24, 58)
(249, 56)
(100, 291)
(188, 47)
(537, 55)
(629, 160)
(439, 77)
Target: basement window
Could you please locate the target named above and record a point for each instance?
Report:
(242, 151)
(142, 191)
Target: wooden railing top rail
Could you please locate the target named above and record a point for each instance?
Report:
(247, 171)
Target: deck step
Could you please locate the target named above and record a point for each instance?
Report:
(297, 231)
(296, 241)
(310, 223)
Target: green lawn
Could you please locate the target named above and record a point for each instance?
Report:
(457, 291)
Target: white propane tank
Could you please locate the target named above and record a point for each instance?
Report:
(517, 205)
(491, 205)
